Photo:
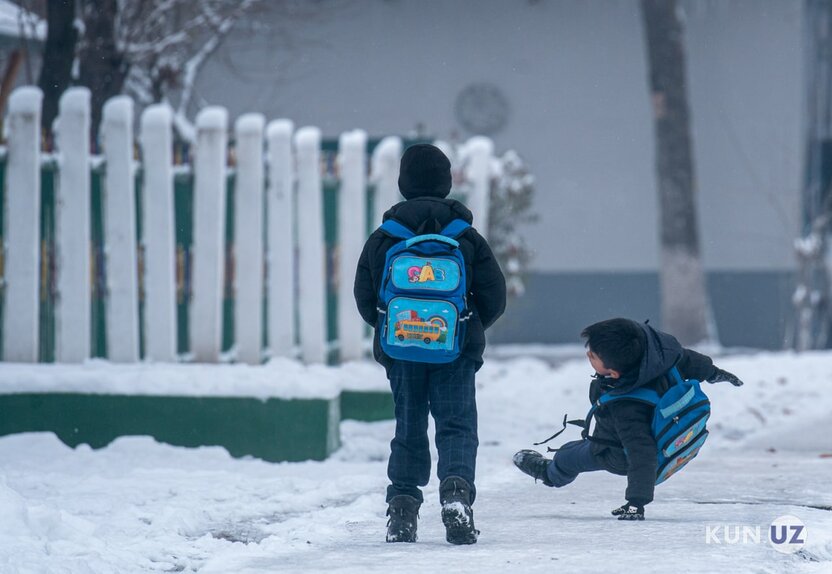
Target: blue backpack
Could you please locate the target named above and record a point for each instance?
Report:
(422, 299)
(678, 422)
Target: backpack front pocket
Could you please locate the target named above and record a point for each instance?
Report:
(681, 457)
(687, 433)
(427, 324)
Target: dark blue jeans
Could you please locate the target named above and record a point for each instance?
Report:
(572, 459)
(448, 393)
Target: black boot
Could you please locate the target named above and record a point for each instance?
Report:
(534, 464)
(455, 496)
(403, 511)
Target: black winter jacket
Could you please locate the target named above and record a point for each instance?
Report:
(485, 281)
(630, 422)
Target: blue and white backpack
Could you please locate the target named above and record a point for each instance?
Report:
(422, 300)
(681, 414)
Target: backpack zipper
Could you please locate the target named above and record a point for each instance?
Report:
(678, 416)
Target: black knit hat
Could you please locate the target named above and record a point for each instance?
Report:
(425, 172)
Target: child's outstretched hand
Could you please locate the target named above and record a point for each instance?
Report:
(721, 376)
(629, 512)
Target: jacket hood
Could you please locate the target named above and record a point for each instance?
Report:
(661, 352)
(416, 213)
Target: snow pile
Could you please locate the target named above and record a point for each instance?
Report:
(363, 376)
(118, 110)
(156, 117)
(281, 128)
(280, 378)
(29, 529)
(76, 101)
(212, 118)
(784, 404)
(25, 100)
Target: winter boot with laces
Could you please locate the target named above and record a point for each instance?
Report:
(403, 511)
(455, 496)
(534, 464)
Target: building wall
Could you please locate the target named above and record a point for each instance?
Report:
(574, 75)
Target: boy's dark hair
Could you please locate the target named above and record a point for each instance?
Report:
(618, 342)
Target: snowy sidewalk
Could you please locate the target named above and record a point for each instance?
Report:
(138, 506)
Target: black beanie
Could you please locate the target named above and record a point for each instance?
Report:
(425, 172)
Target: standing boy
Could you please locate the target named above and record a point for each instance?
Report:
(444, 389)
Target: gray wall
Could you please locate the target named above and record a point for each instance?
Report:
(574, 73)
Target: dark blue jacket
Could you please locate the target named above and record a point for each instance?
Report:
(485, 282)
(629, 423)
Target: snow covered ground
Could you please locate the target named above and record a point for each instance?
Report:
(139, 506)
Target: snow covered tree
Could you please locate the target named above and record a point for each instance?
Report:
(511, 195)
(684, 302)
(813, 291)
(103, 63)
(147, 48)
(58, 56)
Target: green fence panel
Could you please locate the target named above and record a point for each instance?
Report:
(183, 218)
(2, 246)
(367, 406)
(98, 262)
(228, 287)
(48, 286)
(274, 430)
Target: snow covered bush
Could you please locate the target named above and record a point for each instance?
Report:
(511, 199)
(511, 196)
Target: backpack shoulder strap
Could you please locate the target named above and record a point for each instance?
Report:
(455, 228)
(674, 376)
(648, 396)
(642, 395)
(395, 229)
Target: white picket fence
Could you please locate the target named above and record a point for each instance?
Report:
(277, 167)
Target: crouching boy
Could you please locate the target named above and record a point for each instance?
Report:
(627, 356)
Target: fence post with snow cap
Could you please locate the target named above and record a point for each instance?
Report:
(72, 225)
(120, 231)
(384, 174)
(352, 231)
(209, 234)
(281, 239)
(311, 275)
(22, 231)
(248, 239)
(477, 155)
(158, 234)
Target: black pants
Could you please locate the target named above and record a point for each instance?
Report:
(572, 459)
(448, 393)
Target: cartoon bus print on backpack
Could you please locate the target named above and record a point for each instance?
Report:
(410, 326)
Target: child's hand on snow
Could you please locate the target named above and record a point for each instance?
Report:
(629, 512)
(721, 376)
